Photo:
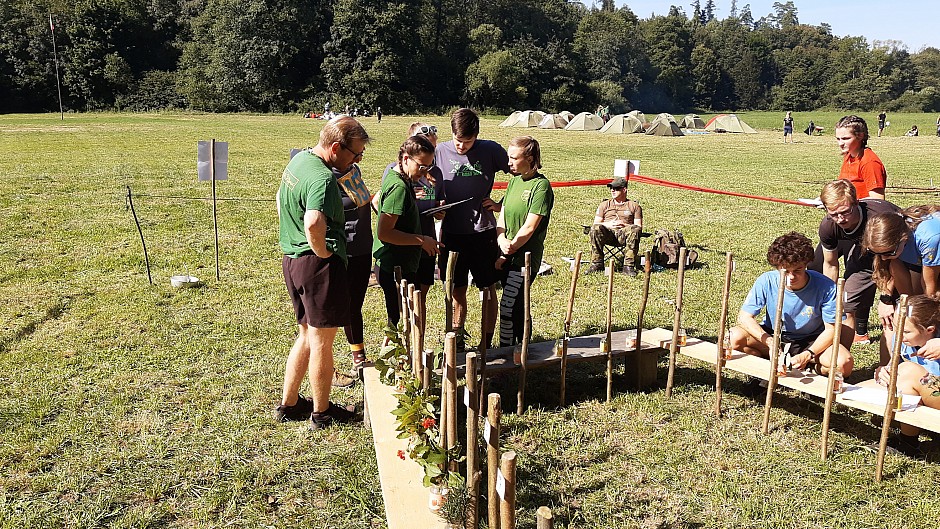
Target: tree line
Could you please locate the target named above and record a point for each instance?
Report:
(429, 55)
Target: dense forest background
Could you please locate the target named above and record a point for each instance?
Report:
(429, 55)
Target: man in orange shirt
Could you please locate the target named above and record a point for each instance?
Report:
(860, 165)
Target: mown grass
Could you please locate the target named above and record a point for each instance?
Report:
(126, 405)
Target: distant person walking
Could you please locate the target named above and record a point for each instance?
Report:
(882, 121)
(378, 114)
(938, 126)
(788, 127)
(860, 165)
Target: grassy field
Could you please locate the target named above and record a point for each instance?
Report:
(129, 405)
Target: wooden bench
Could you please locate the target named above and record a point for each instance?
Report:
(812, 384)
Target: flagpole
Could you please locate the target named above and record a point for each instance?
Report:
(55, 54)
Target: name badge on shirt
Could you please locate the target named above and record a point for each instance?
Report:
(355, 186)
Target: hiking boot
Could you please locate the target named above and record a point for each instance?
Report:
(359, 362)
(334, 415)
(595, 268)
(629, 271)
(298, 412)
(341, 380)
(861, 339)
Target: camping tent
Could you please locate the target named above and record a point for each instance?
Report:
(508, 122)
(567, 115)
(553, 121)
(638, 115)
(692, 121)
(528, 118)
(664, 125)
(623, 124)
(585, 121)
(728, 123)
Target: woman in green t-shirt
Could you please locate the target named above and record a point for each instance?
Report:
(521, 228)
(398, 238)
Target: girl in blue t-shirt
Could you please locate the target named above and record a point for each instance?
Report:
(919, 373)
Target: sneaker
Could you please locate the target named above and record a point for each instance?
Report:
(298, 412)
(341, 380)
(861, 339)
(629, 271)
(334, 414)
(595, 268)
(359, 361)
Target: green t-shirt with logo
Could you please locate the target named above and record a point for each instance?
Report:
(397, 197)
(534, 195)
(307, 184)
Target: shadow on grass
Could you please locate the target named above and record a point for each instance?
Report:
(53, 312)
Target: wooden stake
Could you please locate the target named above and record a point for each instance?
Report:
(414, 303)
(507, 504)
(676, 323)
(900, 318)
(215, 208)
(526, 330)
(450, 346)
(647, 272)
(449, 292)
(427, 368)
(833, 363)
(543, 517)
(451, 375)
(483, 345)
(494, 412)
(396, 274)
(567, 336)
(775, 351)
(405, 317)
(473, 427)
(722, 329)
(610, 346)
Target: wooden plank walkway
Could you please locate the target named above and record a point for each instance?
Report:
(405, 497)
(920, 416)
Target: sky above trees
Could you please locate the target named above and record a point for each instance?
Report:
(913, 22)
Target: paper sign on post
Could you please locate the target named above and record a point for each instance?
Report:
(466, 396)
(501, 484)
(625, 168)
(221, 160)
(487, 431)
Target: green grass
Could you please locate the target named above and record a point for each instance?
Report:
(126, 405)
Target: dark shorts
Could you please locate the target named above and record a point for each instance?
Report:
(478, 253)
(796, 346)
(318, 289)
(425, 274)
(787, 130)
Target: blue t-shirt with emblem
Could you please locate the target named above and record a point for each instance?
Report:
(925, 249)
(908, 353)
(805, 311)
(469, 175)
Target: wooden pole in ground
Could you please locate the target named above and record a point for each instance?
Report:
(526, 330)
(775, 351)
(449, 292)
(543, 517)
(427, 367)
(451, 374)
(417, 346)
(900, 318)
(405, 317)
(507, 505)
(473, 427)
(676, 323)
(450, 346)
(722, 329)
(567, 336)
(833, 363)
(484, 299)
(396, 274)
(610, 347)
(647, 272)
(494, 412)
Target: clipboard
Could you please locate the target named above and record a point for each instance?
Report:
(445, 207)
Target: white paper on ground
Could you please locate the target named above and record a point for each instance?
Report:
(877, 396)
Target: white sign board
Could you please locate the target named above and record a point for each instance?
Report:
(626, 167)
(221, 160)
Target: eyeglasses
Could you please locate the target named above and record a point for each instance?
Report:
(428, 130)
(891, 253)
(615, 188)
(844, 214)
(357, 155)
(421, 167)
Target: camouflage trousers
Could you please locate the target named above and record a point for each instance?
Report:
(627, 238)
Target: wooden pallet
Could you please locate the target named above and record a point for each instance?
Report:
(812, 384)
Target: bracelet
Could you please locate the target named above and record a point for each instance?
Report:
(888, 299)
(812, 354)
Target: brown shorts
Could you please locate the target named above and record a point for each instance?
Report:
(318, 289)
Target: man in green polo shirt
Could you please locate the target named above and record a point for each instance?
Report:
(313, 241)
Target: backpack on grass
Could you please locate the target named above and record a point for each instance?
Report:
(666, 246)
